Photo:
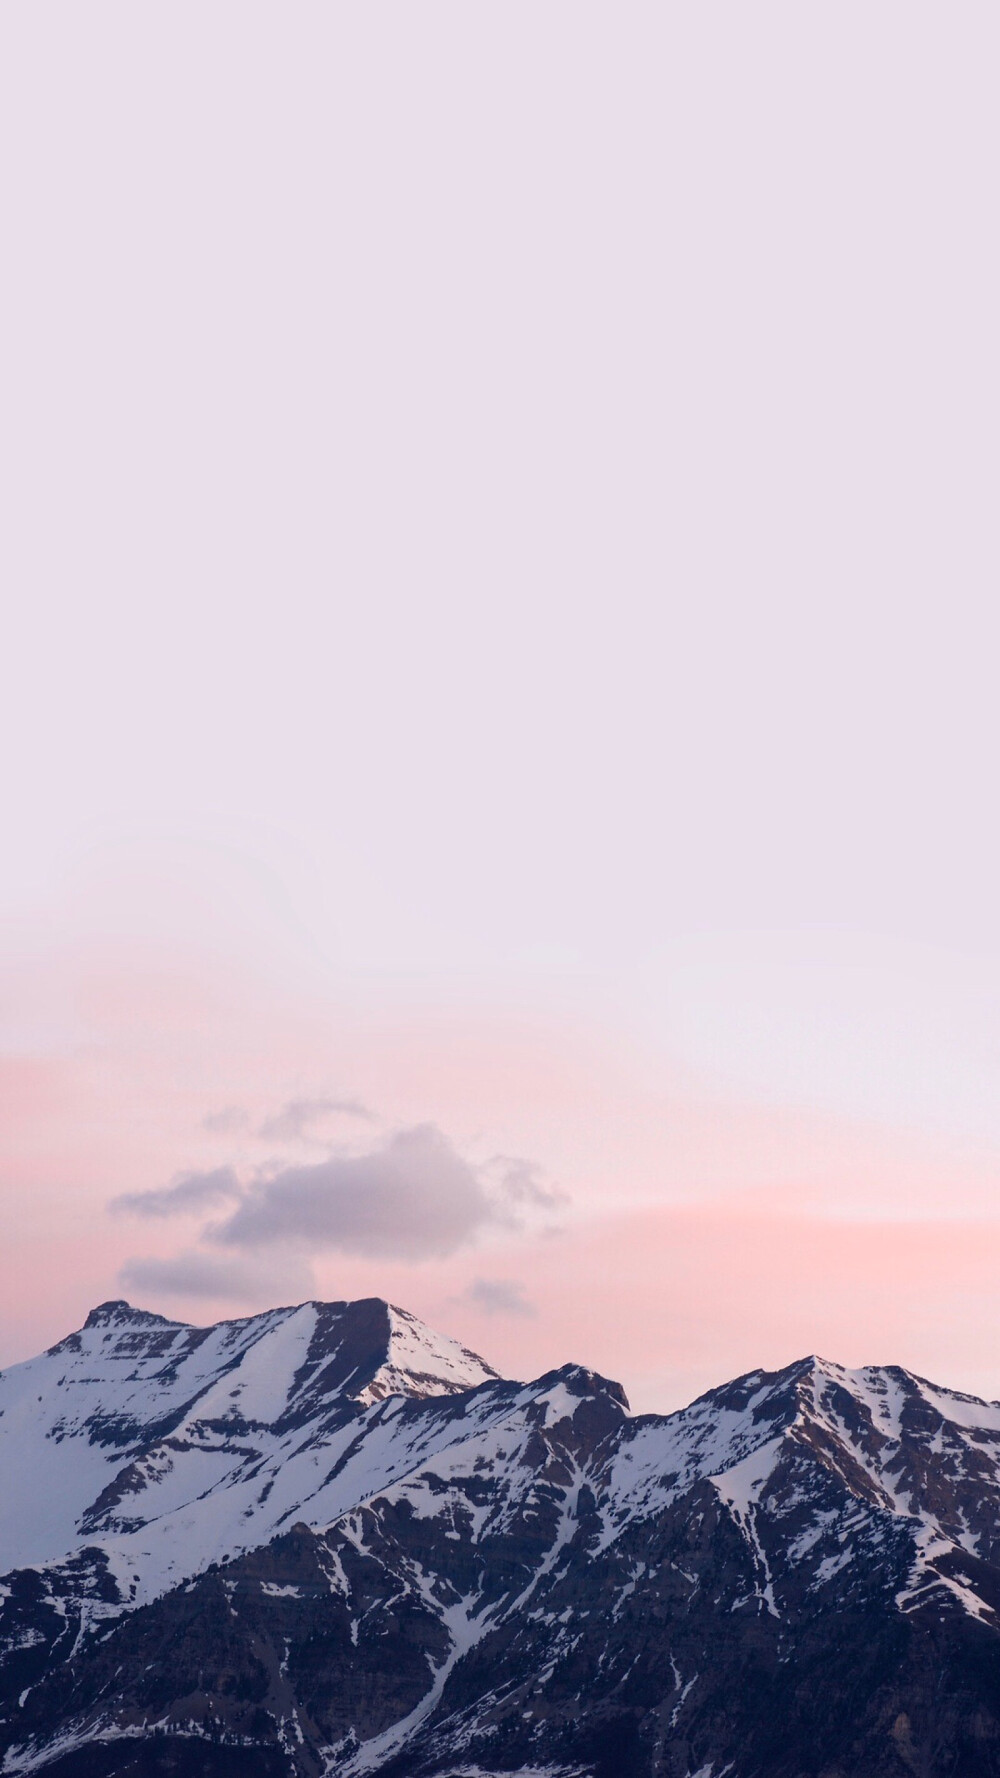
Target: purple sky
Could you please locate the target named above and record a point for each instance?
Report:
(499, 711)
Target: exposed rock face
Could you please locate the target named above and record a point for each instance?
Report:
(799, 1574)
(158, 1440)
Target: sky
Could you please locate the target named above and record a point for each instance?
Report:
(499, 718)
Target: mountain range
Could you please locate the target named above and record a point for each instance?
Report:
(325, 1541)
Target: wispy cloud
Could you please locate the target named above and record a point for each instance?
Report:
(294, 1121)
(188, 1194)
(522, 1181)
(216, 1277)
(227, 1122)
(499, 1296)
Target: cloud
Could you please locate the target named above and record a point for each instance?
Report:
(293, 1120)
(186, 1195)
(521, 1182)
(194, 1274)
(414, 1198)
(499, 1296)
(227, 1122)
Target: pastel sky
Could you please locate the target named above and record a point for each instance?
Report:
(499, 712)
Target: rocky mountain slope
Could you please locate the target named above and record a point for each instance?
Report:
(326, 1541)
(172, 1446)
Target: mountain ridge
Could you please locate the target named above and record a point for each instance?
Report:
(500, 1576)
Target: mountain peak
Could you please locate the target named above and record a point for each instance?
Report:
(582, 1383)
(418, 1361)
(119, 1313)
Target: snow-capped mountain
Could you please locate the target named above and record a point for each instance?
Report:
(327, 1541)
(173, 1446)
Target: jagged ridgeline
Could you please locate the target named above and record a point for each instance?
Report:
(327, 1541)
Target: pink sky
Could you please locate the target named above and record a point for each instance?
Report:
(501, 630)
(700, 1234)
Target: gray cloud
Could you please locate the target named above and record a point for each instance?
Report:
(412, 1199)
(293, 1121)
(227, 1122)
(233, 1279)
(499, 1296)
(521, 1182)
(186, 1195)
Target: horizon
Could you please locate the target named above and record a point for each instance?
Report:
(763, 1374)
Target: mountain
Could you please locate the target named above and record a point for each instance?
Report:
(172, 1446)
(325, 1541)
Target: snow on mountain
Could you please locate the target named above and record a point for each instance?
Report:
(911, 1447)
(422, 1363)
(330, 1536)
(161, 1441)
